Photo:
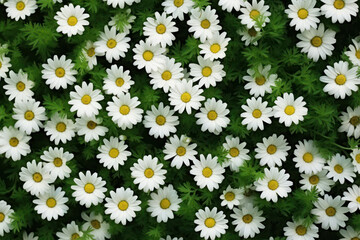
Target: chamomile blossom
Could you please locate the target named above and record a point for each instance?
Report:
(90, 128)
(207, 172)
(274, 184)
(90, 55)
(355, 155)
(290, 110)
(120, 3)
(117, 80)
(317, 42)
(340, 169)
(207, 72)
(112, 44)
(256, 114)
(30, 236)
(59, 72)
(350, 122)
(260, 81)
(51, 204)
(307, 157)
(18, 86)
(4, 65)
(85, 100)
(177, 8)
(349, 233)
(60, 129)
(100, 228)
(179, 151)
(168, 237)
(89, 189)
(330, 212)
(249, 36)
(215, 47)
(353, 53)
(148, 56)
(5, 217)
(303, 14)
(148, 173)
(210, 223)
(352, 195)
(255, 13)
(71, 20)
(319, 180)
(17, 9)
(298, 230)
(14, 143)
(231, 197)
(212, 116)
(237, 153)
(339, 10)
(230, 5)
(340, 80)
(71, 231)
(56, 160)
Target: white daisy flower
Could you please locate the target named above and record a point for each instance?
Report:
(349, 233)
(204, 23)
(29, 116)
(330, 212)
(256, 113)
(30, 236)
(5, 218)
(60, 129)
(36, 178)
(207, 72)
(89, 54)
(297, 230)
(4, 65)
(100, 228)
(180, 151)
(212, 116)
(210, 223)
(248, 220)
(231, 197)
(161, 121)
(117, 80)
(319, 180)
(207, 172)
(255, 14)
(307, 157)
(230, 5)
(71, 20)
(89, 189)
(275, 183)
(168, 237)
(353, 196)
(164, 203)
(249, 36)
(303, 14)
(113, 153)
(290, 110)
(56, 160)
(71, 231)
(353, 53)
(317, 42)
(51, 204)
(167, 74)
(84, 101)
(177, 7)
(148, 174)
(184, 96)
(90, 128)
(159, 30)
(124, 111)
(18, 86)
(17, 9)
(260, 81)
(340, 169)
(112, 44)
(340, 80)
(122, 205)
(272, 151)
(120, 3)
(215, 47)
(14, 143)
(59, 72)
(237, 153)
(339, 10)
(355, 155)
(148, 56)
(350, 121)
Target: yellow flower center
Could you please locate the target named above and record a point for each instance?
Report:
(229, 196)
(212, 115)
(185, 97)
(29, 115)
(89, 188)
(91, 52)
(339, 4)
(207, 172)
(289, 110)
(210, 222)
(273, 185)
(161, 29)
(124, 109)
(72, 21)
(340, 79)
(95, 224)
(358, 199)
(254, 14)
(58, 162)
(260, 80)
(0, 64)
(330, 211)
(160, 120)
(51, 202)
(355, 120)
(114, 152)
(271, 149)
(86, 99)
(300, 230)
(148, 55)
(2, 217)
(181, 151)
(111, 43)
(165, 203)
(308, 157)
(20, 86)
(234, 152)
(355, 238)
(215, 48)
(314, 179)
(20, 5)
(206, 71)
(252, 32)
(205, 24)
(303, 13)
(123, 205)
(61, 127)
(178, 3)
(149, 173)
(316, 41)
(166, 75)
(256, 113)
(60, 72)
(75, 236)
(357, 157)
(91, 125)
(338, 168)
(119, 82)
(37, 177)
(357, 55)
(247, 218)
(13, 141)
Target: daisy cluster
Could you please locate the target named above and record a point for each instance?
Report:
(179, 119)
